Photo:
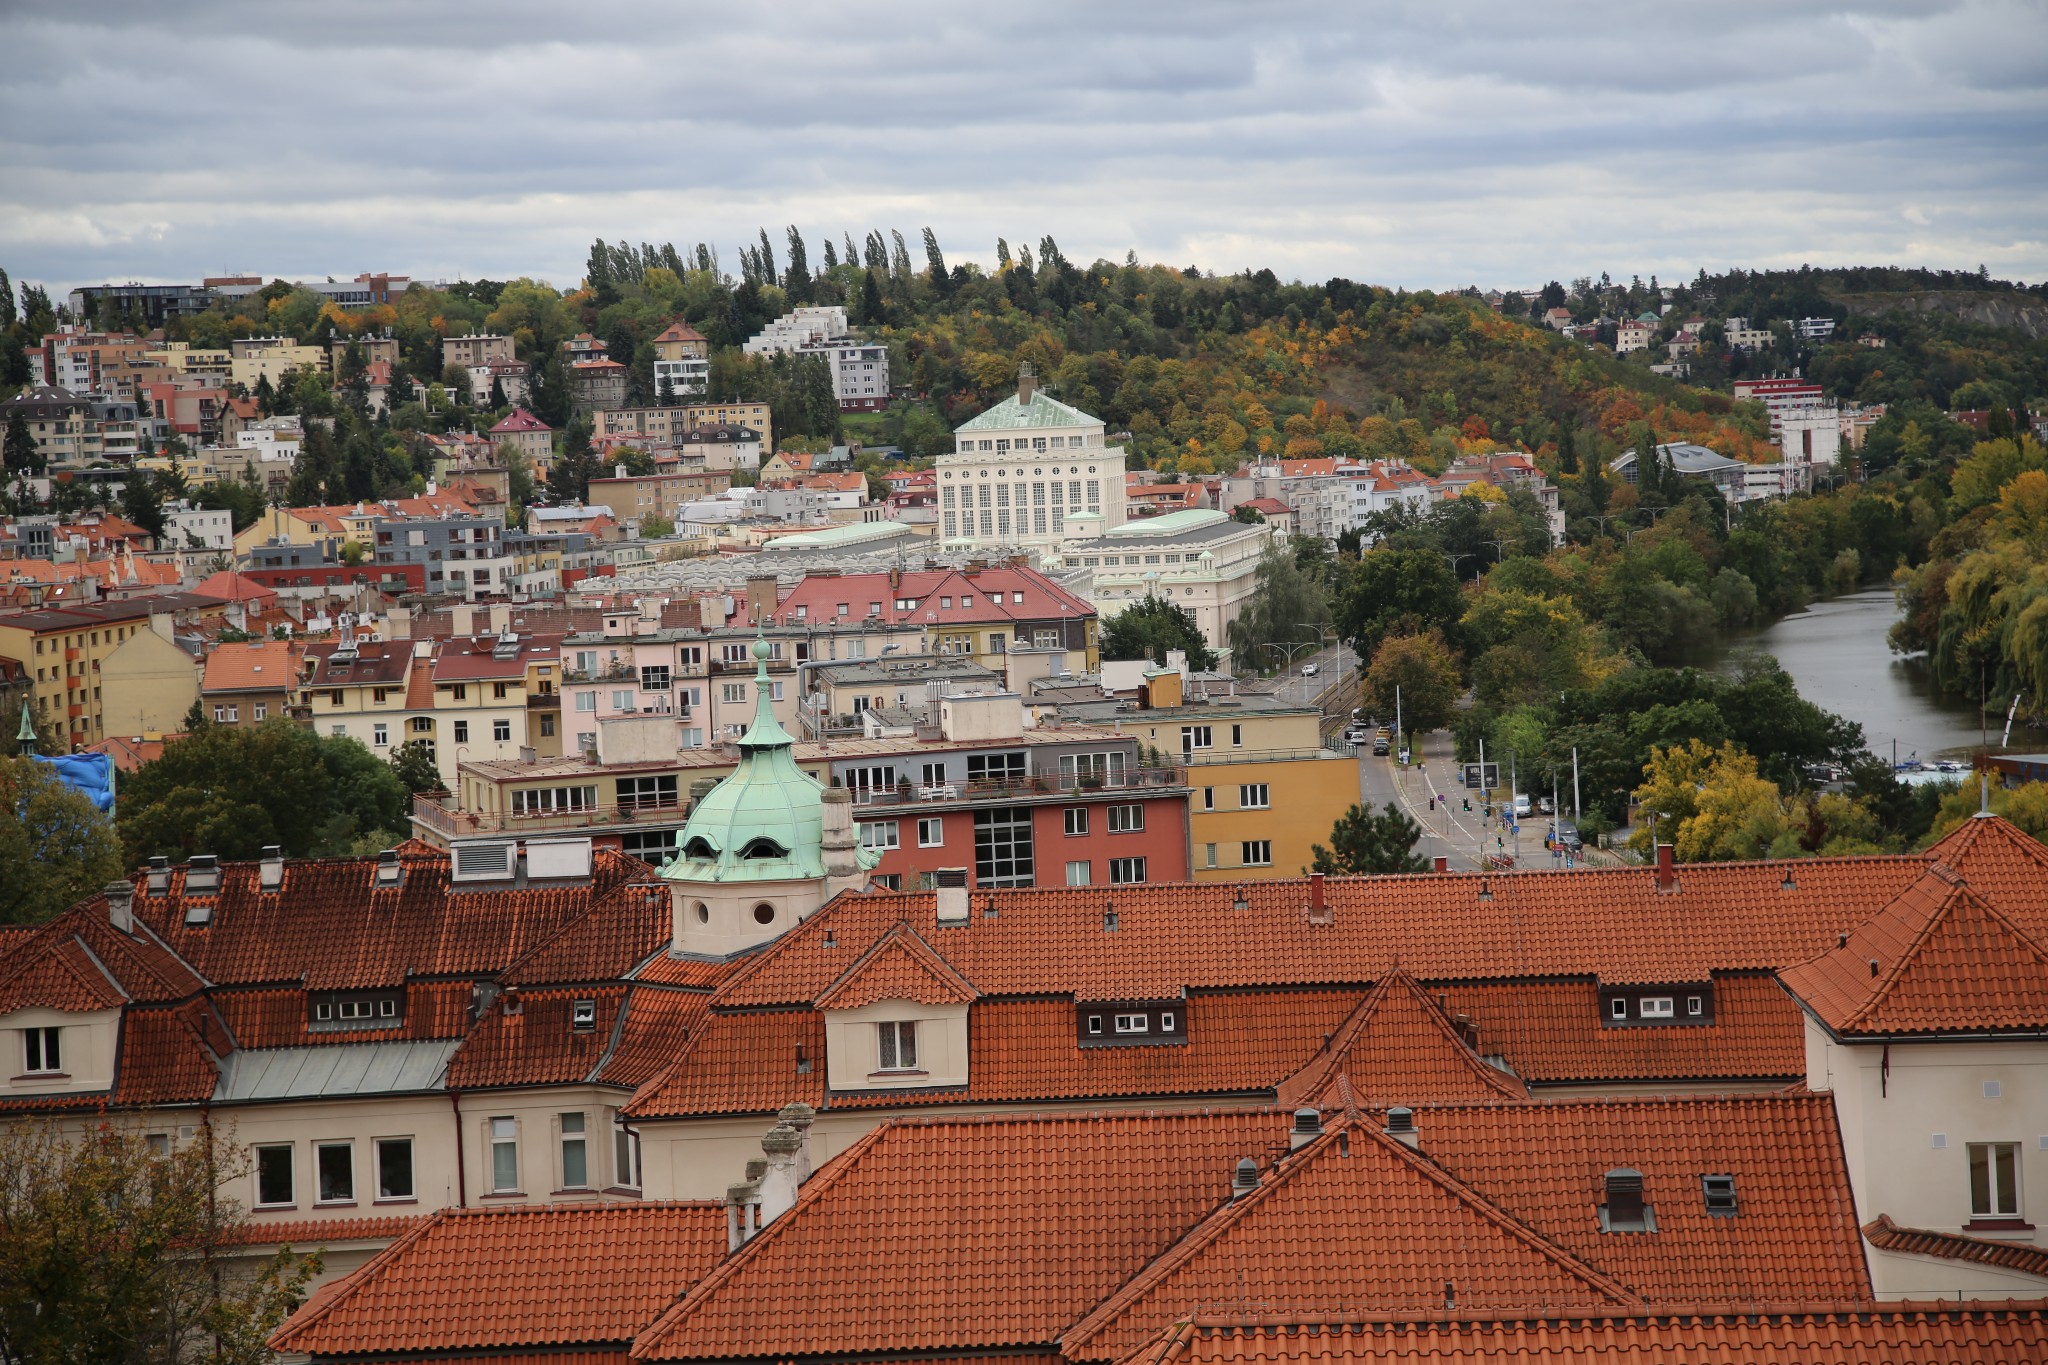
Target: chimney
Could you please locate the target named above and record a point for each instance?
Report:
(270, 871)
(1245, 1180)
(159, 875)
(618, 471)
(1401, 1128)
(842, 862)
(799, 1117)
(1667, 870)
(762, 595)
(784, 1147)
(951, 884)
(742, 1213)
(1319, 911)
(710, 612)
(1027, 383)
(1308, 1126)
(895, 580)
(1440, 863)
(120, 905)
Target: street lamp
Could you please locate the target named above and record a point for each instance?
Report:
(1499, 550)
(1455, 559)
(1290, 650)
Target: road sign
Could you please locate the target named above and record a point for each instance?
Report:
(1482, 775)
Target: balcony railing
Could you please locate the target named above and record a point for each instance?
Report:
(430, 812)
(1022, 788)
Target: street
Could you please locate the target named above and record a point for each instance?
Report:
(1450, 830)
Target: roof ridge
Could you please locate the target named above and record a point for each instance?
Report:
(1360, 1021)
(321, 1306)
(1211, 1228)
(904, 938)
(1958, 894)
(809, 1193)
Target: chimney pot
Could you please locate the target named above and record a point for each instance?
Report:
(121, 905)
(1667, 869)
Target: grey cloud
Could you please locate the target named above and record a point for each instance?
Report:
(1404, 143)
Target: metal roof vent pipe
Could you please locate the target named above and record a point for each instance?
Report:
(270, 871)
(1308, 1126)
(1245, 1180)
(120, 905)
(1401, 1128)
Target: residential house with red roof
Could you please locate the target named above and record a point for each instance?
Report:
(520, 430)
(248, 683)
(682, 364)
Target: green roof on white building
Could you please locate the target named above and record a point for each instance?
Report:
(1038, 411)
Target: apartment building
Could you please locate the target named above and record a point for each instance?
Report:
(682, 364)
(520, 430)
(513, 379)
(860, 370)
(630, 498)
(472, 351)
(1030, 471)
(1204, 562)
(109, 668)
(255, 359)
(462, 554)
(251, 682)
(654, 428)
(982, 613)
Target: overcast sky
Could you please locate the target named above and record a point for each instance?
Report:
(1500, 143)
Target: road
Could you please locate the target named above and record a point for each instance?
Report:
(1449, 830)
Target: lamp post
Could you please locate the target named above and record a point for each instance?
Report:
(1456, 559)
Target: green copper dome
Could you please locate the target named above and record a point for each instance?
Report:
(764, 823)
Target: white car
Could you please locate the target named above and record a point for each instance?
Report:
(1522, 805)
(1310, 670)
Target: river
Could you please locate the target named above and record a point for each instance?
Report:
(1836, 653)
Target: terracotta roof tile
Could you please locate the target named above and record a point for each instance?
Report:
(280, 1017)
(1793, 1238)
(535, 1041)
(1354, 1218)
(1939, 958)
(657, 1027)
(1397, 1045)
(954, 1235)
(615, 935)
(1947, 1334)
(481, 1279)
(268, 665)
(328, 928)
(1886, 1235)
(899, 966)
(163, 1059)
(80, 962)
(263, 1230)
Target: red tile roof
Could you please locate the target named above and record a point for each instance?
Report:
(1886, 1235)
(1936, 1334)
(900, 966)
(165, 1056)
(260, 1229)
(1398, 1044)
(517, 420)
(1938, 959)
(482, 1279)
(278, 1016)
(528, 1038)
(253, 665)
(993, 593)
(1354, 1218)
(941, 1236)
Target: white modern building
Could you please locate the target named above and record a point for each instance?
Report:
(1202, 561)
(1029, 471)
(860, 370)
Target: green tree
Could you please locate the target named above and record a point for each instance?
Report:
(55, 846)
(654, 526)
(1288, 607)
(230, 790)
(868, 310)
(1424, 671)
(1248, 514)
(1147, 629)
(142, 504)
(21, 453)
(1396, 592)
(413, 762)
(1362, 842)
(119, 1254)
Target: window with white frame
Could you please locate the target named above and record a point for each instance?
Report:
(880, 834)
(1134, 1023)
(1076, 819)
(1193, 737)
(1994, 1179)
(1256, 853)
(931, 833)
(501, 730)
(504, 1139)
(380, 734)
(896, 1045)
(334, 1172)
(1655, 1007)
(1255, 796)
(394, 1168)
(1126, 870)
(1126, 819)
(575, 1153)
(42, 1050)
(1078, 872)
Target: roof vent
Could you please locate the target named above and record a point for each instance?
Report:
(1720, 1195)
(1240, 904)
(1308, 1126)
(988, 906)
(270, 871)
(1873, 966)
(159, 876)
(1485, 892)
(390, 872)
(951, 885)
(202, 875)
(486, 860)
(558, 859)
(1401, 1128)
(510, 1004)
(199, 914)
(1246, 1178)
(1786, 883)
(120, 905)
(1109, 924)
(583, 1016)
(1842, 939)
(1625, 1210)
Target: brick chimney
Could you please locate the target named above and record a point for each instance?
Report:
(1440, 863)
(1319, 911)
(1027, 384)
(1667, 869)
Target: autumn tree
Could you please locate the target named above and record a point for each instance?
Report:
(1362, 842)
(55, 845)
(1422, 672)
(117, 1253)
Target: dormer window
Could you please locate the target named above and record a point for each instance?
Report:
(1657, 1006)
(583, 1016)
(763, 847)
(699, 847)
(335, 1010)
(42, 1051)
(1132, 1025)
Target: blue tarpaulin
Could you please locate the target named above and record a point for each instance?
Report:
(92, 774)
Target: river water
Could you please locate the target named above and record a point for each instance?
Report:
(1836, 653)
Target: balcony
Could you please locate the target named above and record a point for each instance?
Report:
(429, 812)
(544, 701)
(1032, 787)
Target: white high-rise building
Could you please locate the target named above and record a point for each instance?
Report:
(860, 369)
(1029, 471)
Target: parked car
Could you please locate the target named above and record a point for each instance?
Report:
(1355, 735)
(1522, 805)
(1310, 670)
(1543, 806)
(1568, 839)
